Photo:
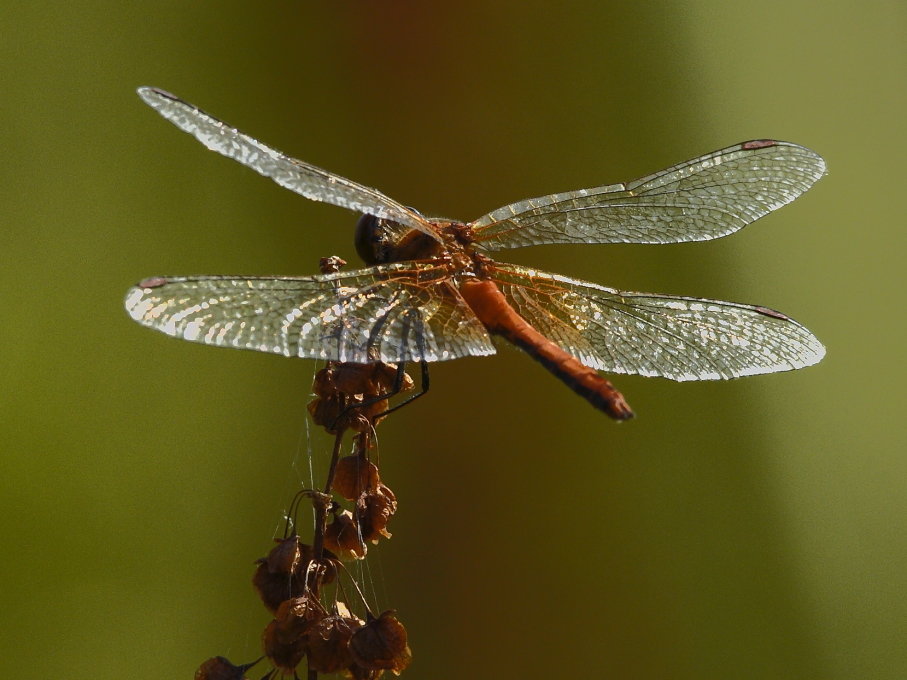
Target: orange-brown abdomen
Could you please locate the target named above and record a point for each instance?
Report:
(493, 310)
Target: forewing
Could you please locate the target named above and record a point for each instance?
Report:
(672, 337)
(303, 178)
(704, 198)
(398, 312)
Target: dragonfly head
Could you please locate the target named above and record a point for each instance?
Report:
(374, 239)
(379, 241)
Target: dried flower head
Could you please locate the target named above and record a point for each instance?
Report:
(342, 538)
(381, 644)
(353, 475)
(374, 509)
(329, 643)
(285, 639)
(347, 394)
(284, 572)
(287, 555)
(334, 414)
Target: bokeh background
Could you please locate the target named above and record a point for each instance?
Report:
(752, 529)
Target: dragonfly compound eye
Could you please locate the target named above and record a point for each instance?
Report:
(371, 239)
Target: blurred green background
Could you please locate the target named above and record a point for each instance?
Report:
(752, 529)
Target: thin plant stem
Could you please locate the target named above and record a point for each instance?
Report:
(321, 504)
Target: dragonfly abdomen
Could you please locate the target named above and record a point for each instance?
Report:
(493, 310)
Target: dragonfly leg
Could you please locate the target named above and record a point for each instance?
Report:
(423, 388)
(396, 388)
(400, 383)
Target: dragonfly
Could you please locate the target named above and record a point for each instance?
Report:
(431, 291)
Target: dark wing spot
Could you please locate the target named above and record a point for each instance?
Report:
(758, 144)
(772, 312)
(153, 282)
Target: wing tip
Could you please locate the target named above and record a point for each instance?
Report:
(136, 301)
(153, 95)
(136, 305)
(815, 353)
(819, 165)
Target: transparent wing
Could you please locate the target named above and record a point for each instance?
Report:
(399, 312)
(295, 175)
(704, 198)
(672, 337)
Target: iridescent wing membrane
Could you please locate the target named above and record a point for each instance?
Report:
(672, 337)
(303, 178)
(704, 198)
(396, 312)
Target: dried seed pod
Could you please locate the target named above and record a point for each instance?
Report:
(219, 668)
(296, 617)
(341, 537)
(324, 384)
(277, 576)
(381, 644)
(383, 381)
(282, 574)
(367, 380)
(371, 412)
(285, 639)
(329, 643)
(286, 556)
(345, 394)
(330, 401)
(285, 656)
(373, 511)
(353, 475)
(325, 411)
(334, 414)
(273, 589)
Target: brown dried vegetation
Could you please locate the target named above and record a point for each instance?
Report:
(308, 625)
